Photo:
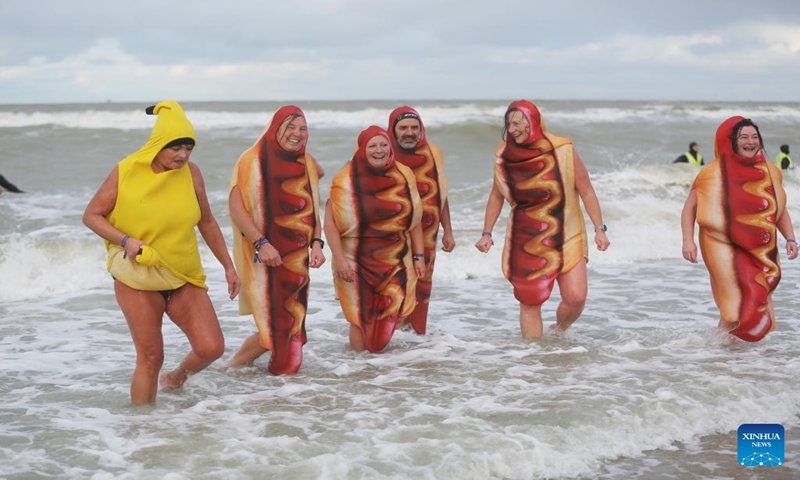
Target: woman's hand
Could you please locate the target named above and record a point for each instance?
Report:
(601, 239)
(269, 255)
(132, 246)
(234, 284)
(791, 250)
(317, 258)
(448, 242)
(343, 269)
(484, 244)
(690, 251)
(420, 268)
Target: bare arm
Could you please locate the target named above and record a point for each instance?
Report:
(209, 229)
(316, 257)
(448, 241)
(586, 191)
(494, 205)
(244, 221)
(100, 206)
(688, 218)
(340, 266)
(320, 171)
(787, 230)
(417, 247)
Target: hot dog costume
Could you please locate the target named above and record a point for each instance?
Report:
(546, 235)
(374, 210)
(280, 191)
(427, 163)
(739, 201)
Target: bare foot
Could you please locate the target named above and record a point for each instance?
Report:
(403, 324)
(556, 330)
(172, 381)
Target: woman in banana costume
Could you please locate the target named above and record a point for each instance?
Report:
(541, 176)
(740, 205)
(372, 224)
(147, 210)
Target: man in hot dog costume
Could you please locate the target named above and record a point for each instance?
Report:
(740, 205)
(412, 149)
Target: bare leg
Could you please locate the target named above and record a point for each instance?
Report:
(250, 350)
(357, 339)
(191, 310)
(726, 326)
(144, 312)
(574, 288)
(530, 321)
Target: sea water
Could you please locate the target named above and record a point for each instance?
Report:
(643, 386)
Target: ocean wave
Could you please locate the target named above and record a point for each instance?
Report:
(434, 115)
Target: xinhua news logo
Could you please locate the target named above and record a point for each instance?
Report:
(761, 445)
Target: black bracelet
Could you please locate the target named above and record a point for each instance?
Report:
(321, 242)
(260, 243)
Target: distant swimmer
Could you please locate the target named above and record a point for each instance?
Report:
(782, 160)
(6, 185)
(692, 156)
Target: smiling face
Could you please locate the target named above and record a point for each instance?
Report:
(293, 133)
(518, 127)
(748, 143)
(407, 132)
(172, 158)
(378, 151)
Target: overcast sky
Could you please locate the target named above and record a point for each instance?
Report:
(93, 51)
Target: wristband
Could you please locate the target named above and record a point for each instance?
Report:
(258, 244)
(486, 234)
(321, 242)
(418, 256)
(124, 241)
(602, 227)
(791, 240)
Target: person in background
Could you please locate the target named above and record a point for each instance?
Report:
(692, 156)
(783, 160)
(541, 176)
(740, 205)
(147, 210)
(412, 149)
(372, 224)
(274, 198)
(5, 184)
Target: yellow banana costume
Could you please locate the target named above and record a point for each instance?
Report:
(161, 209)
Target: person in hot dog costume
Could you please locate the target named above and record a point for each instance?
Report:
(274, 194)
(412, 149)
(542, 177)
(740, 205)
(373, 227)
